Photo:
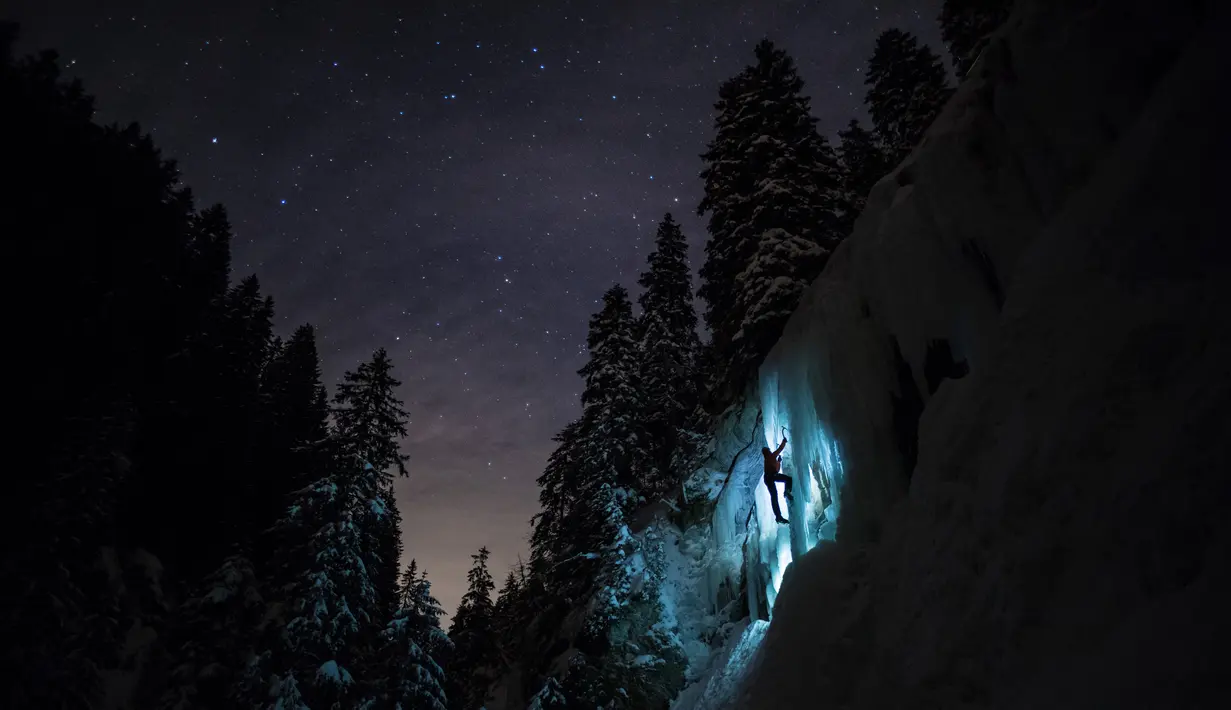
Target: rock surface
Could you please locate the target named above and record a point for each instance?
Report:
(1024, 351)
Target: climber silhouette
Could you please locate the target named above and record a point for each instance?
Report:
(773, 474)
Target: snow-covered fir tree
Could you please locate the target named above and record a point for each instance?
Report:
(965, 25)
(557, 493)
(370, 421)
(864, 161)
(597, 564)
(549, 697)
(471, 666)
(213, 637)
(612, 431)
(599, 472)
(668, 354)
(333, 613)
(906, 89)
(415, 594)
(771, 191)
(408, 584)
(643, 663)
(506, 621)
(409, 672)
(409, 677)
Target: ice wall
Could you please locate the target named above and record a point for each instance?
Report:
(1012, 382)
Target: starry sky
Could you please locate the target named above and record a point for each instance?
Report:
(455, 182)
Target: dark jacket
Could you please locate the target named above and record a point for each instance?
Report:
(772, 464)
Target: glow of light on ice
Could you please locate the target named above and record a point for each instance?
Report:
(813, 460)
(784, 559)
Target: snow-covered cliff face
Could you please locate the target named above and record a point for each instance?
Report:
(1008, 398)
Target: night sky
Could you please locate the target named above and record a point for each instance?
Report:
(458, 184)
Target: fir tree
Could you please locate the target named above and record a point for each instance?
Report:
(965, 25)
(411, 678)
(407, 585)
(283, 695)
(635, 659)
(606, 539)
(864, 161)
(416, 596)
(370, 420)
(475, 650)
(214, 638)
(668, 353)
(408, 675)
(771, 185)
(557, 493)
(511, 615)
(549, 697)
(292, 384)
(906, 89)
(586, 487)
(210, 267)
(333, 605)
(610, 400)
(246, 334)
(295, 422)
(368, 415)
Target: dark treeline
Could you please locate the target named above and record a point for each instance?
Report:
(202, 525)
(197, 525)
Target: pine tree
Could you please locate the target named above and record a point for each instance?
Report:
(370, 420)
(549, 697)
(283, 695)
(965, 25)
(408, 674)
(587, 485)
(213, 637)
(771, 183)
(210, 268)
(240, 490)
(864, 161)
(906, 90)
(610, 400)
(368, 415)
(668, 353)
(606, 539)
(410, 677)
(333, 605)
(295, 422)
(407, 585)
(292, 384)
(508, 615)
(416, 596)
(475, 650)
(557, 493)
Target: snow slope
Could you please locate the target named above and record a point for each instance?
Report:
(1023, 356)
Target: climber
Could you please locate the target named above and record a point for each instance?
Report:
(773, 474)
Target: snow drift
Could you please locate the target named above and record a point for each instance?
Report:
(1008, 398)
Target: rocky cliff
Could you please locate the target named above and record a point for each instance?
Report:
(1008, 398)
